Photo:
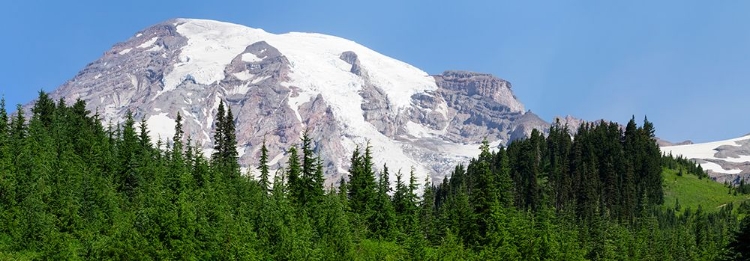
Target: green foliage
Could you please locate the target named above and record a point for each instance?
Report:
(263, 167)
(71, 189)
(691, 191)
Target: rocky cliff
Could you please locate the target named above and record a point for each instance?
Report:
(280, 85)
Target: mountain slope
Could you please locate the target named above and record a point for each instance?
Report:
(690, 192)
(726, 160)
(279, 85)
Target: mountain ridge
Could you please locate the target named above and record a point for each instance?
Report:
(279, 85)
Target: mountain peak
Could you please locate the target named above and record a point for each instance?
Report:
(279, 85)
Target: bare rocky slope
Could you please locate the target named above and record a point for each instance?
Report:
(279, 85)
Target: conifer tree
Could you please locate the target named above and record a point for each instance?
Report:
(127, 149)
(3, 118)
(400, 200)
(311, 187)
(18, 125)
(44, 109)
(143, 137)
(308, 159)
(229, 152)
(343, 191)
(383, 218)
(177, 166)
(362, 187)
(178, 132)
(219, 132)
(318, 179)
(263, 167)
(7, 176)
(293, 172)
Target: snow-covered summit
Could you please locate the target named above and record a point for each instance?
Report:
(314, 58)
(279, 85)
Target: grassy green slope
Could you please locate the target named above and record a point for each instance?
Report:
(692, 192)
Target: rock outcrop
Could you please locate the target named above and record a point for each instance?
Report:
(279, 86)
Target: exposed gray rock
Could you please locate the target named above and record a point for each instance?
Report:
(478, 106)
(664, 143)
(351, 58)
(440, 128)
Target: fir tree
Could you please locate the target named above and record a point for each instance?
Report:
(362, 188)
(219, 132)
(293, 173)
(229, 149)
(263, 167)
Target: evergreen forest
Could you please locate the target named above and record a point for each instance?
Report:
(74, 188)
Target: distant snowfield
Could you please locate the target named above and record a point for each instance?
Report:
(316, 69)
(160, 126)
(707, 151)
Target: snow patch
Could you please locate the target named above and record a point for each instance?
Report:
(420, 131)
(707, 151)
(718, 169)
(276, 159)
(125, 51)
(469, 150)
(161, 126)
(241, 89)
(243, 75)
(133, 80)
(250, 58)
(241, 151)
(210, 47)
(296, 101)
(138, 35)
(701, 150)
(148, 43)
(210, 116)
(260, 79)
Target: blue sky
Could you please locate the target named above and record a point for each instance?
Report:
(684, 64)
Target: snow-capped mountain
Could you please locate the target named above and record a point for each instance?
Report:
(726, 160)
(279, 85)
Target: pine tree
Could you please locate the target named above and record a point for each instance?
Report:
(144, 138)
(7, 175)
(383, 218)
(127, 149)
(343, 192)
(229, 152)
(219, 132)
(318, 179)
(362, 187)
(44, 109)
(3, 119)
(310, 185)
(263, 167)
(178, 132)
(293, 173)
(177, 167)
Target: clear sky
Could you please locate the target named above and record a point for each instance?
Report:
(684, 64)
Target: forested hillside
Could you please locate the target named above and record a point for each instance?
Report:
(74, 188)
